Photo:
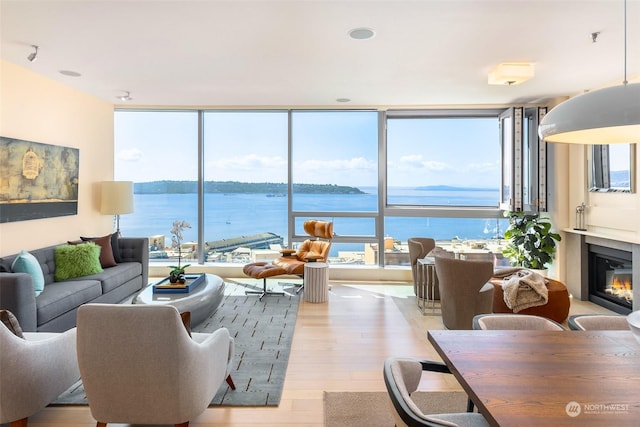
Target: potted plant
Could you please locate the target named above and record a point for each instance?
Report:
(177, 273)
(532, 244)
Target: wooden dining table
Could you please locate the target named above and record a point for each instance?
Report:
(546, 378)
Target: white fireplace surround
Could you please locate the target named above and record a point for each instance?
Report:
(577, 254)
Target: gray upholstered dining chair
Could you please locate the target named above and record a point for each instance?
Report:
(419, 247)
(501, 321)
(598, 322)
(35, 368)
(140, 366)
(402, 377)
(464, 290)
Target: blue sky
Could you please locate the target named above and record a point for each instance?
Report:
(329, 148)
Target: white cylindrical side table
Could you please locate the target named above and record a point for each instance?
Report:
(316, 282)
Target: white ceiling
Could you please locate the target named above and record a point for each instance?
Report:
(298, 53)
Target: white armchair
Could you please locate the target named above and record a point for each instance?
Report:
(140, 366)
(34, 370)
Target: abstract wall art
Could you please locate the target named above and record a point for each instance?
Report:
(37, 180)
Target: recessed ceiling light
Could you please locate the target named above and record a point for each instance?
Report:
(361, 33)
(70, 73)
(343, 100)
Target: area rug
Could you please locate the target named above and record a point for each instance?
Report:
(262, 330)
(373, 409)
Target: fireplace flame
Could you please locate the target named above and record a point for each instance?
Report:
(621, 288)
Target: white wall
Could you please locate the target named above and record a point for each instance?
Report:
(39, 109)
(614, 215)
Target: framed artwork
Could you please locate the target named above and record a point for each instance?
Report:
(37, 180)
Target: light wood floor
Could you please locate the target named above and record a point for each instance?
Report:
(337, 346)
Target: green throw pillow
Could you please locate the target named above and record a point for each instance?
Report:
(77, 261)
(27, 263)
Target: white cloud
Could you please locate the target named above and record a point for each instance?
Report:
(357, 171)
(415, 161)
(130, 155)
(357, 163)
(483, 167)
(249, 162)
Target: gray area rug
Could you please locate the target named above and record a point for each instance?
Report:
(373, 409)
(262, 330)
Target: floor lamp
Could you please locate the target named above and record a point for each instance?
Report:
(117, 199)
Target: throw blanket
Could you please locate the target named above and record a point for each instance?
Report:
(523, 288)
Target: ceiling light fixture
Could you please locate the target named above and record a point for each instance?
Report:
(33, 56)
(605, 116)
(125, 97)
(511, 73)
(362, 33)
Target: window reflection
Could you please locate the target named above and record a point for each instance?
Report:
(612, 168)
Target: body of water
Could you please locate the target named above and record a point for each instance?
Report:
(234, 215)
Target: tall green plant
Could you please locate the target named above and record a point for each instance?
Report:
(532, 244)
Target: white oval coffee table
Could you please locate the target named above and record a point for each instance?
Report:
(201, 302)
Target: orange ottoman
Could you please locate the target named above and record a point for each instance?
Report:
(556, 308)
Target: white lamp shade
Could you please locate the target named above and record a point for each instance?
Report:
(605, 116)
(117, 197)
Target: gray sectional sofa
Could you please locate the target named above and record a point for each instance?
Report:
(54, 310)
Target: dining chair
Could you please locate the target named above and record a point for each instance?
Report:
(419, 247)
(464, 290)
(499, 321)
(479, 256)
(402, 377)
(598, 322)
(139, 364)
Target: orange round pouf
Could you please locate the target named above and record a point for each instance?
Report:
(556, 308)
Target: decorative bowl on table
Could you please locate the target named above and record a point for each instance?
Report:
(634, 324)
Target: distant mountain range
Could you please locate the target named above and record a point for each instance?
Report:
(191, 187)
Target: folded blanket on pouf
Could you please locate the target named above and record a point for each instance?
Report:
(523, 288)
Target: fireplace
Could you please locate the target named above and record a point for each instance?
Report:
(610, 278)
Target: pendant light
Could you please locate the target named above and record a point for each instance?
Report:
(604, 116)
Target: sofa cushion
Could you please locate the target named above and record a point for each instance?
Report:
(10, 321)
(77, 261)
(61, 297)
(106, 250)
(115, 246)
(113, 277)
(27, 263)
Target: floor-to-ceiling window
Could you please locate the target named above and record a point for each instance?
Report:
(334, 175)
(245, 184)
(246, 180)
(158, 151)
(443, 177)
